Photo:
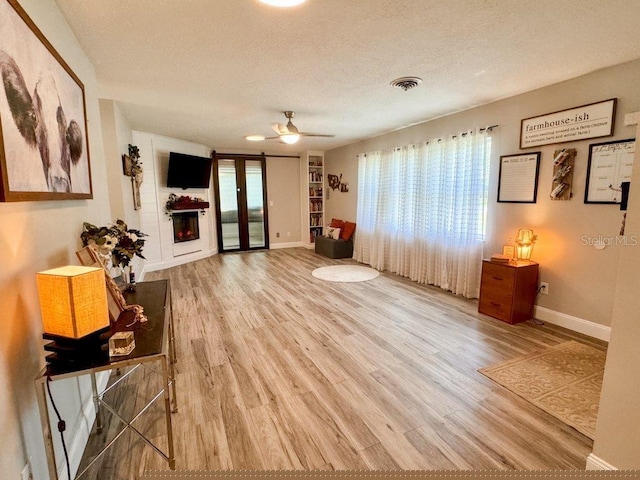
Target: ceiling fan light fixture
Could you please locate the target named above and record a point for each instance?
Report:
(254, 138)
(290, 138)
(282, 3)
(405, 83)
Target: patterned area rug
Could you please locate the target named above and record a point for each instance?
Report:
(345, 273)
(564, 381)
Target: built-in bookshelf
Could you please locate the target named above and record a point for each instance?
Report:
(313, 188)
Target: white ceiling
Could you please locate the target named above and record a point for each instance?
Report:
(213, 71)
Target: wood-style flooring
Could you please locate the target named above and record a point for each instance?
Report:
(279, 370)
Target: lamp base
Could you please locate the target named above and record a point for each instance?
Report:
(80, 352)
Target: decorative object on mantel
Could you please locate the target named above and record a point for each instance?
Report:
(563, 162)
(116, 244)
(132, 167)
(524, 243)
(184, 203)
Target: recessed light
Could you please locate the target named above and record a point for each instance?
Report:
(254, 138)
(282, 3)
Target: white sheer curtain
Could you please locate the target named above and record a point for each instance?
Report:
(422, 208)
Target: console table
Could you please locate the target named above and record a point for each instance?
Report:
(154, 342)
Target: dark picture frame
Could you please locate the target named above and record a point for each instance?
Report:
(518, 178)
(44, 147)
(593, 120)
(115, 300)
(609, 166)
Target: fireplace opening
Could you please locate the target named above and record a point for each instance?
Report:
(185, 226)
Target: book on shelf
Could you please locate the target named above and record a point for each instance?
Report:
(315, 177)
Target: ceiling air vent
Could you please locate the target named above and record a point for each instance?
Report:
(405, 83)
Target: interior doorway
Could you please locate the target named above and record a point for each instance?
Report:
(240, 184)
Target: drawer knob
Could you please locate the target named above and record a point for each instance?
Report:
(495, 304)
(498, 278)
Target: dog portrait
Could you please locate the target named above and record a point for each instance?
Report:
(44, 149)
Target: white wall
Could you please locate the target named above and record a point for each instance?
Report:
(36, 236)
(582, 279)
(117, 135)
(160, 250)
(617, 439)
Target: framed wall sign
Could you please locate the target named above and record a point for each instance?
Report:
(44, 153)
(610, 164)
(518, 182)
(579, 123)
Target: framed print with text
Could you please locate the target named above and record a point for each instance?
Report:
(518, 181)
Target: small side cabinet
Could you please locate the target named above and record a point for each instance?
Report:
(508, 290)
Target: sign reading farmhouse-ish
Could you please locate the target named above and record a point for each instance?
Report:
(588, 121)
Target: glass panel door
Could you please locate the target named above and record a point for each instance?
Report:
(255, 203)
(228, 217)
(240, 189)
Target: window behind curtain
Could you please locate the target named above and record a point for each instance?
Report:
(422, 210)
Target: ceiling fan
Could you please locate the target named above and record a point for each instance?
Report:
(288, 132)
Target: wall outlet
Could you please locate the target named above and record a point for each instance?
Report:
(26, 474)
(544, 288)
(277, 234)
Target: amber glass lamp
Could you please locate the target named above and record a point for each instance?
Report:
(524, 243)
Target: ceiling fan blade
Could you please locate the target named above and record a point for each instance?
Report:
(309, 134)
(291, 128)
(280, 128)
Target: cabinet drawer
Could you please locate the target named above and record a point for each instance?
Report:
(498, 276)
(499, 308)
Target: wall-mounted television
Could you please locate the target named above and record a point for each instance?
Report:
(188, 171)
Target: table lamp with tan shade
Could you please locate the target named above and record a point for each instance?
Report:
(75, 316)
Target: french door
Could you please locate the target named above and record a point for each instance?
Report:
(241, 197)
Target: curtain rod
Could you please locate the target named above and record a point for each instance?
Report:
(252, 155)
(488, 129)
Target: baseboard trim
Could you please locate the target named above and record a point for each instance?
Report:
(576, 324)
(181, 260)
(275, 246)
(596, 463)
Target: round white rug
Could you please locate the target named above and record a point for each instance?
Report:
(345, 273)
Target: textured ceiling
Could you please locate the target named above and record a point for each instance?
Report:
(213, 71)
